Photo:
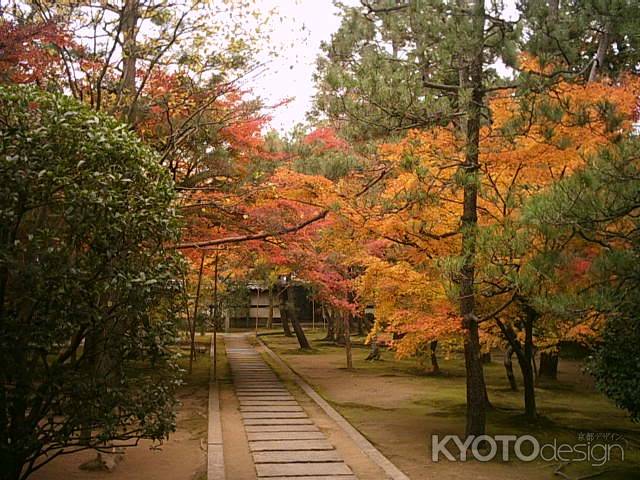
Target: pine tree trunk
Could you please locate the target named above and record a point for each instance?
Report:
(603, 46)
(130, 15)
(508, 366)
(524, 356)
(470, 76)
(528, 378)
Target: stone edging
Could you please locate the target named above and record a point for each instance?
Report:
(393, 472)
(215, 453)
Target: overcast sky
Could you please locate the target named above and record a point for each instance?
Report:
(304, 25)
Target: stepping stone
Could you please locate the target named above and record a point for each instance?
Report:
(270, 408)
(289, 445)
(259, 388)
(316, 477)
(253, 436)
(267, 397)
(273, 415)
(281, 428)
(253, 373)
(261, 378)
(297, 456)
(252, 386)
(277, 421)
(259, 385)
(262, 403)
(289, 469)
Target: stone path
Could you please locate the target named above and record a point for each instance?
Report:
(284, 442)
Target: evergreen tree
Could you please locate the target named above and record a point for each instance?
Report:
(597, 209)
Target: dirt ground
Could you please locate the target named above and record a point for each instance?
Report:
(182, 457)
(397, 407)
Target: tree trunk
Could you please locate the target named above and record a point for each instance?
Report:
(192, 350)
(360, 325)
(130, 16)
(508, 366)
(548, 365)
(485, 358)
(528, 378)
(374, 354)
(524, 356)
(339, 329)
(347, 339)
(603, 46)
(284, 315)
(528, 381)
(330, 336)
(470, 77)
(435, 368)
(292, 313)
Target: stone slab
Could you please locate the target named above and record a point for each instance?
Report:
(278, 421)
(297, 456)
(248, 415)
(281, 428)
(253, 436)
(270, 408)
(258, 386)
(266, 397)
(262, 391)
(316, 477)
(289, 445)
(269, 395)
(289, 469)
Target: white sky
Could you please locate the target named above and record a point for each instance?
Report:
(304, 25)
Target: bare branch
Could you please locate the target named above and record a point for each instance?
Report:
(256, 236)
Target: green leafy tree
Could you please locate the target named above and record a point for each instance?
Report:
(87, 283)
